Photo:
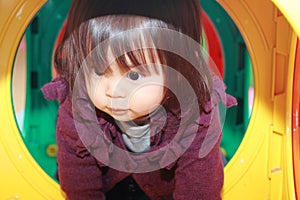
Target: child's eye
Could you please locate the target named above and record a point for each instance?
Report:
(134, 75)
(98, 72)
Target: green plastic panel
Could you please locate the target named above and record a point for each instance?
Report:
(40, 114)
(237, 76)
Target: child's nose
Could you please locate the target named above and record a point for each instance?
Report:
(115, 88)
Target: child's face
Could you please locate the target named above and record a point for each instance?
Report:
(126, 96)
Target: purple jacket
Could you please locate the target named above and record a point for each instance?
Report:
(195, 174)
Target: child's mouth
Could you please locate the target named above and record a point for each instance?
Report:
(118, 111)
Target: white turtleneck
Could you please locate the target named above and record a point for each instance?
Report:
(136, 138)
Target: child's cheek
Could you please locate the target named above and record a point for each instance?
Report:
(97, 95)
(146, 99)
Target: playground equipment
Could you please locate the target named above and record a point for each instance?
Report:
(267, 160)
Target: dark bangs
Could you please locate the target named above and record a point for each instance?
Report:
(128, 42)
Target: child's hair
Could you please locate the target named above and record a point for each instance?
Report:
(189, 22)
(94, 37)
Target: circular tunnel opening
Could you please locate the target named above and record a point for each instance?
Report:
(36, 116)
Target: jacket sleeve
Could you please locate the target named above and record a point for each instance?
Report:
(199, 173)
(199, 177)
(79, 175)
